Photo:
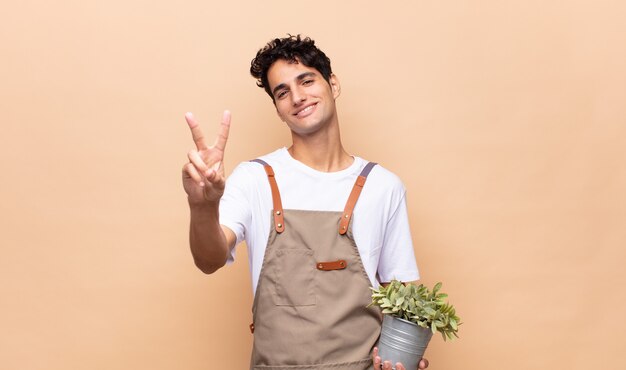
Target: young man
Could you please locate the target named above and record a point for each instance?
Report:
(321, 225)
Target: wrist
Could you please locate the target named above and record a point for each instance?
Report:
(205, 206)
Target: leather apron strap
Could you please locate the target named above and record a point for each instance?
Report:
(279, 222)
(277, 212)
(354, 196)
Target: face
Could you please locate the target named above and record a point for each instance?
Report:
(303, 98)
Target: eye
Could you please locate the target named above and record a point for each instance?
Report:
(281, 94)
(307, 82)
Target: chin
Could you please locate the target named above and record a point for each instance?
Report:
(304, 128)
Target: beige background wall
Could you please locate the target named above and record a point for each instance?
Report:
(505, 119)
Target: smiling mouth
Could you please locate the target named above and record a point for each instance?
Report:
(304, 112)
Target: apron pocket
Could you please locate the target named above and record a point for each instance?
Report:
(295, 277)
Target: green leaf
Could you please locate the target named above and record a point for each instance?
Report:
(429, 310)
(436, 288)
(453, 324)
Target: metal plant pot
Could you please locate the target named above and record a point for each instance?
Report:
(402, 341)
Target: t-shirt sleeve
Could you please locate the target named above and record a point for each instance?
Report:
(397, 259)
(235, 212)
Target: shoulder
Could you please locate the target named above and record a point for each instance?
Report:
(382, 178)
(248, 168)
(276, 158)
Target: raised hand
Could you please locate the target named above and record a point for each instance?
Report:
(203, 175)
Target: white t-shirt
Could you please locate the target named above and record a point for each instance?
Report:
(379, 224)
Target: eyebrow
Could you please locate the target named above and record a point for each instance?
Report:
(299, 78)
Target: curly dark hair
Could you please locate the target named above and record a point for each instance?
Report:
(292, 49)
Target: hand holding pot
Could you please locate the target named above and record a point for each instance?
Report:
(379, 364)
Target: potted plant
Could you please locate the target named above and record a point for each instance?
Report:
(411, 315)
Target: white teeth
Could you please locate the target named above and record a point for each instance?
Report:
(306, 109)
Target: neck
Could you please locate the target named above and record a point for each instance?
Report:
(321, 152)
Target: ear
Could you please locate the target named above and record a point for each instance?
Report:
(334, 85)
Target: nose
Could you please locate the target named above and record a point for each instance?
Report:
(297, 96)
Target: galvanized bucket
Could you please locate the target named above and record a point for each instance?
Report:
(402, 341)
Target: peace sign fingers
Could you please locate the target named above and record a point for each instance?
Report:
(203, 175)
(222, 136)
(196, 132)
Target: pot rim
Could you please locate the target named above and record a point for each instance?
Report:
(401, 319)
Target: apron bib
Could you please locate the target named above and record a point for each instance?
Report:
(309, 309)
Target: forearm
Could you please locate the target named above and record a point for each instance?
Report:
(209, 245)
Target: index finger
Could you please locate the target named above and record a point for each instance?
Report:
(196, 133)
(222, 136)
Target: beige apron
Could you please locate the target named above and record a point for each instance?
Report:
(309, 309)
